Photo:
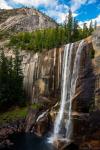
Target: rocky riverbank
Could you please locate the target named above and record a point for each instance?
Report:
(86, 129)
(9, 129)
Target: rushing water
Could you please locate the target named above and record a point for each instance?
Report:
(63, 126)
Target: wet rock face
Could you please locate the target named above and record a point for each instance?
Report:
(30, 120)
(86, 82)
(71, 146)
(25, 19)
(96, 66)
(38, 122)
(43, 124)
(87, 131)
(42, 76)
(96, 39)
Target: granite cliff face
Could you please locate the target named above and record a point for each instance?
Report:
(42, 75)
(46, 79)
(96, 64)
(24, 19)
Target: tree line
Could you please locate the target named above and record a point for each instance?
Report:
(11, 81)
(53, 37)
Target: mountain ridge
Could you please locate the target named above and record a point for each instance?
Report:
(24, 19)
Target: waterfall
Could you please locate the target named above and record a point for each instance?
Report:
(75, 73)
(64, 88)
(63, 123)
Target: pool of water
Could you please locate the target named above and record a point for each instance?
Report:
(29, 142)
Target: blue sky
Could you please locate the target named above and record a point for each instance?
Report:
(83, 10)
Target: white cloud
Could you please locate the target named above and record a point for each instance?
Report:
(58, 11)
(88, 21)
(4, 5)
(76, 4)
(61, 7)
(74, 14)
(92, 1)
(60, 16)
(36, 3)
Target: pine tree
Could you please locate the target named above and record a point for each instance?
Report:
(11, 81)
(4, 85)
(95, 25)
(57, 37)
(65, 30)
(85, 30)
(70, 25)
(18, 78)
(75, 30)
(90, 28)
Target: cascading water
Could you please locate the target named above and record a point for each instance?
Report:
(74, 78)
(65, 85)
(63, 124)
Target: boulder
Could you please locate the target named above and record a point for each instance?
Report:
(9, 129)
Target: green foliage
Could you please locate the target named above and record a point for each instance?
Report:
(40, 40)
(70, 26)
(16, 113)
(85, 30)
(76, 31)
(91, 28)
(11, 81)
(13, 115)
(36, 106)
